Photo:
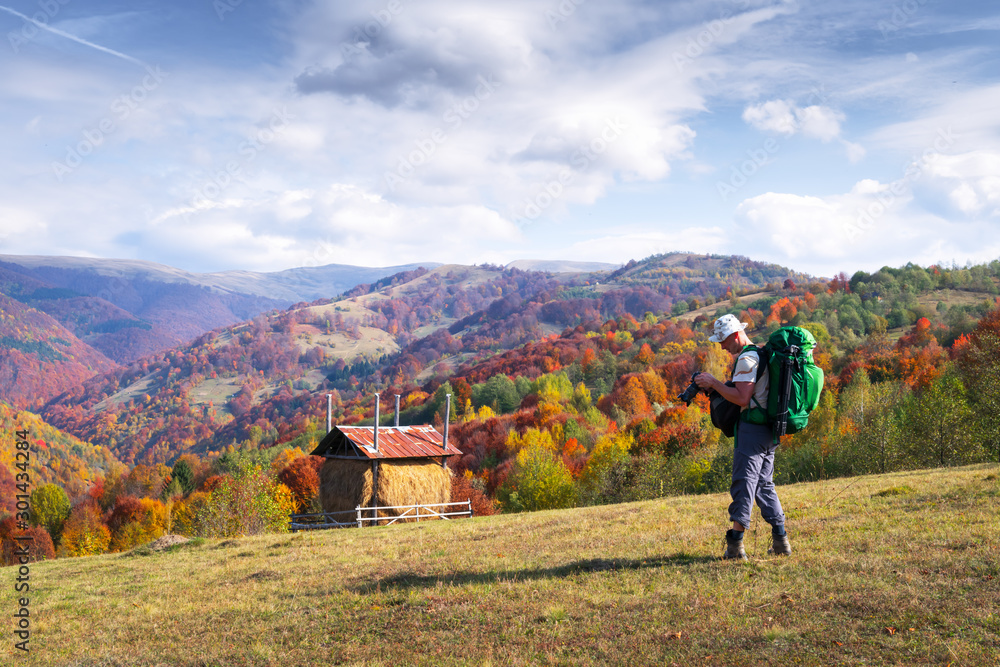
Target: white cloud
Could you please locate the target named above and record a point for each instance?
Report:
(785, 117)
(321, 182)
(872, 225)
(776, 116)
(855, 152)
(636, 245)
(339, 224)
(972, 180)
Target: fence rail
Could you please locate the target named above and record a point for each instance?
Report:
(321, 520)
(360, 516)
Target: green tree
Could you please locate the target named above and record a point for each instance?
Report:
(184, 476)
(581, 397)
(979, 363)
(50, 508)
(605, 469)
(879, 437)
(498, 392)
(941, 424)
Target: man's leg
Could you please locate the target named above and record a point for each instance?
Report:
(766, 495)
(746, 471)
(770, 506)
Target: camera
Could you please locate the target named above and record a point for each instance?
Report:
(692, 390)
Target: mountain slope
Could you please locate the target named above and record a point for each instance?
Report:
(39, 358)
(128, 308)
(263, 381)
(57, 457)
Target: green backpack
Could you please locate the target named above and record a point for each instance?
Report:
(795, 381)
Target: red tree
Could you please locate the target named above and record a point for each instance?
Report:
(301, 477)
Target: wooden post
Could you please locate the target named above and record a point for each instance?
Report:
(447, 418)
(375, 437)
(375, 492)
(418, 513)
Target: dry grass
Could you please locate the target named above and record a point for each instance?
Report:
(344, 485)
(901, 569)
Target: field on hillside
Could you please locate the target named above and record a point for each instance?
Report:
(901, 569)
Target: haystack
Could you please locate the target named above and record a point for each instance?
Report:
(344, 485)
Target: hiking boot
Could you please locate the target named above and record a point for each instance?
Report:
(780, 545)
(734, 549)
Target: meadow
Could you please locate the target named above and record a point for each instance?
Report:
(896, 569)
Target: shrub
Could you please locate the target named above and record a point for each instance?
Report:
(134, 521)
(604, 472)
(247, 503)
(302, 478)
(184, 514)
(467, 487)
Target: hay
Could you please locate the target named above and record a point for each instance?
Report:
(346, 484)
(343, 485)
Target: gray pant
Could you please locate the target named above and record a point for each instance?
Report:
(753, 473)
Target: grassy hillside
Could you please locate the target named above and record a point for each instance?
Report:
(901, 569)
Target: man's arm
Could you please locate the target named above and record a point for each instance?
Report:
(740, 394)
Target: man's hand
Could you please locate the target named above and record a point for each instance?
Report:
(740, 394)
(706, 381)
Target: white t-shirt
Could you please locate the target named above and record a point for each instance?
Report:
(746, 371)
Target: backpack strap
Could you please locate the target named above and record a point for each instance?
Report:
(763, 357)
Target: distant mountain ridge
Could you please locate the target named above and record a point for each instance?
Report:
(128, 309)
(291, 285)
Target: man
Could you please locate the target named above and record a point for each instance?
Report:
(753, 458)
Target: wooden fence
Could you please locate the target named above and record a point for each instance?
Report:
(362, 515)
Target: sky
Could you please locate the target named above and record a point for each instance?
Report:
(263, 135)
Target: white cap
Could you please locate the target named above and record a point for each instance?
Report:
(725, 327)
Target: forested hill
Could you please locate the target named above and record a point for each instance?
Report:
(263, 380)
(40, 358)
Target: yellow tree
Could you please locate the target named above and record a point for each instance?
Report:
(84, 533)
(540, 480)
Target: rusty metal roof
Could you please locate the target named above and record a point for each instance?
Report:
(394, 442)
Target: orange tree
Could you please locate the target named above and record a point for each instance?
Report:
(84, 533)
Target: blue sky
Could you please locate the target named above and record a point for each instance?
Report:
(230, 134)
